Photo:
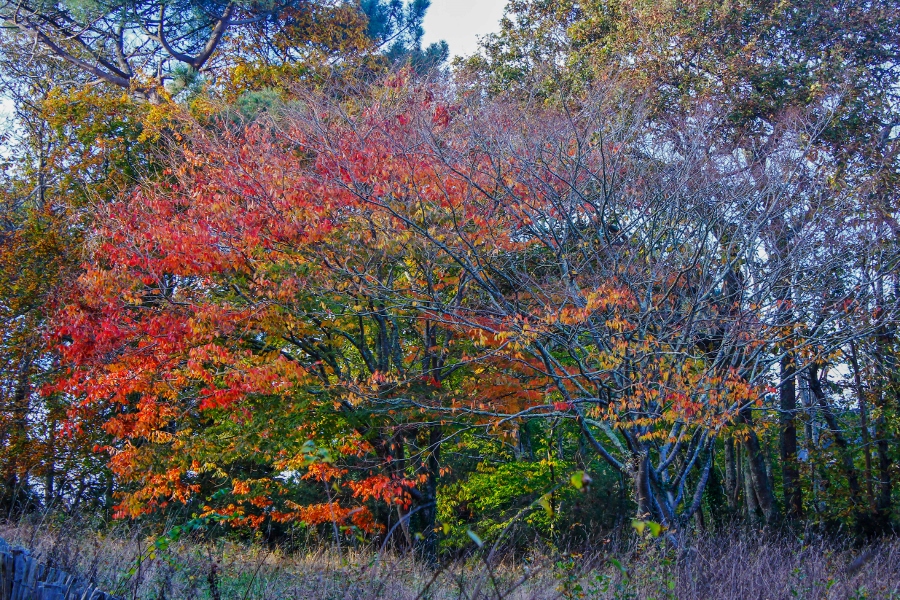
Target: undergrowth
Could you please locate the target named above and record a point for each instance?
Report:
(745, 565)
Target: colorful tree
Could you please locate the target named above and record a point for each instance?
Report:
(759, 65)
(140, 46)
(59, 158)
(254, 299)
(354, 268)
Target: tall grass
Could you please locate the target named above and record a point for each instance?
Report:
(742, 566)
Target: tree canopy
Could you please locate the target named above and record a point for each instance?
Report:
(142, 45)
(271, 267)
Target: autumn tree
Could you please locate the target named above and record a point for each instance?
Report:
(294, 315)
(662, 237)
(58, 158)
(757, 62)
(77, 141)
(139, 47)
(378, 274)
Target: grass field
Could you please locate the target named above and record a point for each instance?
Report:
(745, 567)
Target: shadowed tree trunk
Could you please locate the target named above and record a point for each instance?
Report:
(731, 476)
(863, 424)
(751, 504)
(793, 497)
(846, 455)
(429, 512)
(756, 466)
(884, 378)
(642, 488)
(15, 443)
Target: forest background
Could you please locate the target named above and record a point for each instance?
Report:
(276, 274)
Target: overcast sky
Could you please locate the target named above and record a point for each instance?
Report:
(460, 22)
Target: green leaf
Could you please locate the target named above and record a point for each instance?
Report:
(577, 480)
(580, 480)
(545, 502)
(639, 526)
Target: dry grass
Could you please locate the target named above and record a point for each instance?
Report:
(768, 568)
(745, 567)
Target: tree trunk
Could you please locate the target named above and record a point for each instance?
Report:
(731, 475)
(525, 447)
(429, 512)
(757, 469)
(643, 492)
(14, 482)
(793, 494)
(884, 379)
(863, 424)
(846, 457)
(751, 504)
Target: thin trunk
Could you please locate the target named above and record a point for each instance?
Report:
(14, 481)
(429, 513)
(717, 497)
(757, 469)
(699, 521)
(398, 465)
(526, 448)
(731, 475)
(741, 481)
(863, 424)
(642, 488)
(883, 375)
(108, 497)
(50, 467)
(793, 493)
(811, 427)
(846, 455)
(751, 503)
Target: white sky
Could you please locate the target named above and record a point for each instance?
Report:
(460, 22)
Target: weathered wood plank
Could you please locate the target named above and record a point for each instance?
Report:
(22, 577)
